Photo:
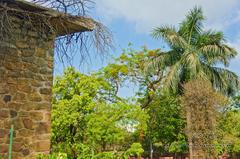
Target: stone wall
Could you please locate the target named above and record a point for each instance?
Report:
(26, 74)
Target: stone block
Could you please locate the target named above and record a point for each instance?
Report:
(35, 97)
(4, 113)
(43, 128)
(42, 146)
(37, 115)
(28, 123)
(4, 133)
(46, 91)
(3, 148)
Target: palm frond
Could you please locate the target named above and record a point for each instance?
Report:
(217, 53)
(222, 79)
(194, 52)
(209, 38)
(172, 79)
(170, 36)
(192, 64)
(162, 61)
(192, 25)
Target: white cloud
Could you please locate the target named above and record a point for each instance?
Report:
(146, 14)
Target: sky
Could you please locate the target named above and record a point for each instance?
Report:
(133, 20)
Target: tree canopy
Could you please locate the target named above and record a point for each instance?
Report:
(194, 52)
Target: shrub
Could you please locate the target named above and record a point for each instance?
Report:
(53, 156)
(135, 150)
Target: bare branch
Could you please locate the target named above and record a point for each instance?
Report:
(68, 46)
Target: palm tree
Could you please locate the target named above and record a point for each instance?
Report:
(194, 52)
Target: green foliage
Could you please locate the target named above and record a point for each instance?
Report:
(135, 150)
(110, 124)
(88, 119)
(179, 146)
(235, 102)
(194, 52)
(165, 122)
(166, 125)
(53, 156)
(105, 155)
(229, 130)
(85, 152)
(128, 69)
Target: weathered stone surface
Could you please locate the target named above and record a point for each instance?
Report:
(3, 89)
(17, 123)
(36, 116)
(25, 132)
(7, 98)
(3, 133)
(17, 146)
(4, 113)
(25, 152)
(43, 128)
(42, 146)
(46, 91)
(25, 95)
(15, 105)
(35, 97)
(25, 88)
(20, 96)
(28, 123)
(26, 77)
(3, 148)
(13, 113)
(42, 106)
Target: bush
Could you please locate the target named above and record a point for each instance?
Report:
(53, 156)
(105, 155)
(135, 150)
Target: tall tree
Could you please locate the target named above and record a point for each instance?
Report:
(194, 52)
(89, 119)
(201, 104)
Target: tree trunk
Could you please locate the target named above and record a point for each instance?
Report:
(151, 150)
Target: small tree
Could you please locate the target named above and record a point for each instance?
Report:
(135, 150)
(202, 104)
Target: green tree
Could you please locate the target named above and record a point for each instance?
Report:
(135, 150)
(235, 102)
(165, 124)
(194, 52)
(166, 127)
(229, 131)
(75, 96)
(129, 70)
(109, 125)
(88, 119)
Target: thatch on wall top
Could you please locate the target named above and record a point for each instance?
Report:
(74, 35)
(61, 23)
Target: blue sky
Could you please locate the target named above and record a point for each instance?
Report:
(133, 20)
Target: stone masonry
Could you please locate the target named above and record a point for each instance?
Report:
(26, 76)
